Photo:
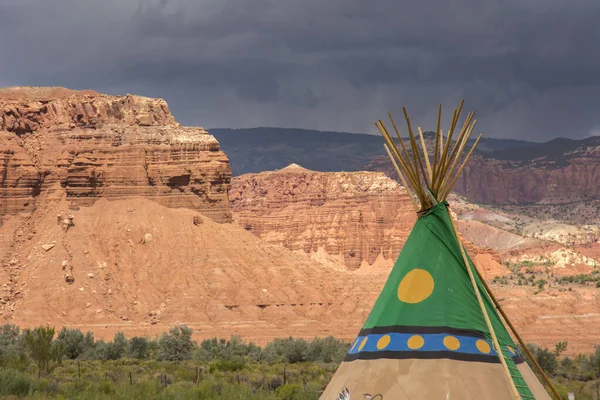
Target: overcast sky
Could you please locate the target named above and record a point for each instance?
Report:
(530, 67)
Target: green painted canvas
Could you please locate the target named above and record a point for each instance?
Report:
(428, 307)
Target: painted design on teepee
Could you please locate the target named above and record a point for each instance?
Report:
(402, 345)
(345, 395)
(427, 308)
(416, 286)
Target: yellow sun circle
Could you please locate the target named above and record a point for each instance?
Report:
(483, 346)
(416, 286)
(362, 344)
(451, 343)
(383, 342)
(415, 342)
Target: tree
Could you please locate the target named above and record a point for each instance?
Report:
(289, 350)
(43, 350)
(11, 348)
(9, 340)
(560, 347)
(76, 344)
(545, 358)
(232, 349)
(327, 350)
(177, 345)
(118, 347)
(139, 348)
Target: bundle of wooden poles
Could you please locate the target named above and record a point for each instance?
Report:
(430, 176)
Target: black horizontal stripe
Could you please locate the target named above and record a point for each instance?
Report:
(421, 330)
(422, 355)
(518, 359)
(428, 355)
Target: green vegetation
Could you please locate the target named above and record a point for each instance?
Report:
(544, 279)
(38, 364)
(581, 279)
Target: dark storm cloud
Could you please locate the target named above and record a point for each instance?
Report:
(530, 67)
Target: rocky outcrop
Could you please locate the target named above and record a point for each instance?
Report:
(504, 182)
(552, 173)
(361, 217)
(93, 146)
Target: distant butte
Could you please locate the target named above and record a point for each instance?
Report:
(90, 146)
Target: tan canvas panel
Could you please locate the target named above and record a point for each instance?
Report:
(416, 379)
(532, 381)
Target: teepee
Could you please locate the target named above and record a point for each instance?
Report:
(435, 331)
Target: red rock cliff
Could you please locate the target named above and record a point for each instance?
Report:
(92, 145)
(358, 216)
(559, 175)
(504, 182)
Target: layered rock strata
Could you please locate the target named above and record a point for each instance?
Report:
(93, 146)
(512, 182)
(361, 217)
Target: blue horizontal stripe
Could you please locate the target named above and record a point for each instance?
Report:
(431, 343)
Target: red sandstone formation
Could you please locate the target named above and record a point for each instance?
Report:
(505, 182)
(560, 171)
(93, 146)
(361, 217)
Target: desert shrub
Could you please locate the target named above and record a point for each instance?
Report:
(233, 349)
(327, 350)
(117, 348)
(545, 358)
(228, 365)
(43, 350)
(288, 350)
(14, 383)
(76, 344)
(139, 348)
(11, 348)
(10, 343)
(100, 350)
(177, 345)
(287, 392)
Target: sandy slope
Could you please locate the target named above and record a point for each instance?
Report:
(217, 278)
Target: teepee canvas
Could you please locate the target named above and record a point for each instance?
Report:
(434, 332)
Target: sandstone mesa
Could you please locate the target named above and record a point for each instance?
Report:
(93, 146)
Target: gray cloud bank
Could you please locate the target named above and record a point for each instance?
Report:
(530, 67)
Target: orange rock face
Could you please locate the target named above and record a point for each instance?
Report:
(360, 217)
(560, 171)
(139, 267)
(95, 146)
(504, 182)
